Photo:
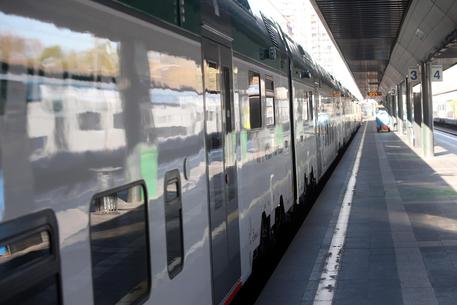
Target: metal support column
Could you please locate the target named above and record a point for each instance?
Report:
(395, 111)
(427, 111)
(391, 105)
(400, 108)
(409, 112)
(417, 114)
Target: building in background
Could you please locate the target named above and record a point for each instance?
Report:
(304, 25)
(300, 20)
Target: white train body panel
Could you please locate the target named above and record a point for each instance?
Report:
(264, 160)
(305, 136)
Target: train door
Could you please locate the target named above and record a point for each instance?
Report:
(222, 184)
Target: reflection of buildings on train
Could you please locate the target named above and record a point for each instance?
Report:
(62, 112)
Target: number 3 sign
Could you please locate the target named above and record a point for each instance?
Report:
(436, 73)
(413, 73)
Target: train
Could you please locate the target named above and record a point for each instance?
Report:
(150, 150)
(445, 108)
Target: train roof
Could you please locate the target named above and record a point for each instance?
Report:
(256, 36)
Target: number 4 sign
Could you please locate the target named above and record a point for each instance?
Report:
(436, 73)
(413, 73)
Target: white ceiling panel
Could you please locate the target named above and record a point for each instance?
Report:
(445, 5)
(452, 13)
(426, 26)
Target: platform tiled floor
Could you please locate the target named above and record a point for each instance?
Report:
(401, 242)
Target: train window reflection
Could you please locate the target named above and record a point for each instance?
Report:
(33, 92)
(255, 104)
(23, 250)
(310, 105)
(304, 101)
(89, 121)
(173, 223)
(118, 121)
(172, 190)
(119, 246)
(212, 78)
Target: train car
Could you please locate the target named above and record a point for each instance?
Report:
(303, 79)
(150, 150)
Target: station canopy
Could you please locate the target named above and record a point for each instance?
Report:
(380, 39)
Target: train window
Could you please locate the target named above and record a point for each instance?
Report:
(310, 105)
(29, 260)
(269, 85)
(173, 223)
(269, 102)
(119, 245)
(255, 104)
(269, 111)
(299, 103)
(227, 99)
(305, 109)
(212, 78)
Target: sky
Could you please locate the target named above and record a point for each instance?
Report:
(47, 33)
(340, 70)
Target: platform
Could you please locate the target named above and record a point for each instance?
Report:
(399, 244)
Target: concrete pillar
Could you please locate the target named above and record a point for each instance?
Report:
(409, 112)
(400, 107)
(427, 111)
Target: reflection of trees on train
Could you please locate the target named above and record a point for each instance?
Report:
(101, 58)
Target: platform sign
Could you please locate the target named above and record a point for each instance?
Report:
(436, 73)
(374, 93)
(413, 73)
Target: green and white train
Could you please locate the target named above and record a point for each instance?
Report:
(149, 149)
